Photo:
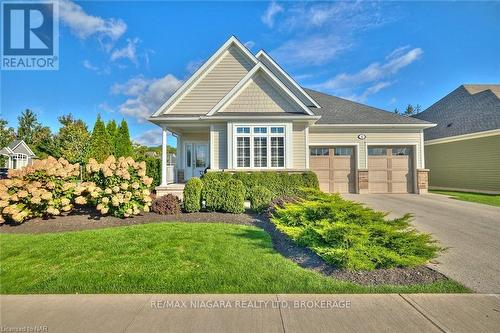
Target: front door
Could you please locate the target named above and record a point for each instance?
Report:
(196, 159)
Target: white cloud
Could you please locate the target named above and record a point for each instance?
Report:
(373, 89)
(314, 50)
(106, 107)
(272, 10)
(318, 32)
(149, 138)
(145, 95)
(84, 25)
(128, 52)
(193, 66)
(375, 71)
(87, 64)
(250, 44)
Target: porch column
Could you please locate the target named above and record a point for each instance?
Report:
(164, 157)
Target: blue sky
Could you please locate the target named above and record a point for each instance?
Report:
(123, 59)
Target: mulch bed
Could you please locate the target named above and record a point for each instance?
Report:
(86, 219)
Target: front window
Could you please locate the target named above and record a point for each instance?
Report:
(243, 152)
(260, 146)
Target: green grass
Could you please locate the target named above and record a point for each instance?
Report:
(165, 258)
(487, 199)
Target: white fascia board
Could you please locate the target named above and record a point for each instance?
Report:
(461, 137)
(246, 78)
(198, 73)
(262, 53)
(25, 145)
(415, 126)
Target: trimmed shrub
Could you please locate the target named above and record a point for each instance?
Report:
(46, 188)
(260, 198)
(153, 170)
(192, 195)
(120, 187)
(349, 235)
(233, 193)
(280, 183)
(167, 205)
(213, 194)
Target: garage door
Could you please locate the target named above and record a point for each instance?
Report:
(390, 170)
(335, 168)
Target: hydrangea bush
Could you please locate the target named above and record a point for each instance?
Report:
(119, 187)
(45, 188)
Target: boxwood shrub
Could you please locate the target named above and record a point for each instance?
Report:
(260, 198)
(192, 195)
(233, 194)
(280, 183)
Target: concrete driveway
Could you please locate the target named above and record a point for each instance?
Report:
(471, 231)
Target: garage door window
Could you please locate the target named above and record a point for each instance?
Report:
(378, 151)
(400, 151)
(343, 151)
(319, 151)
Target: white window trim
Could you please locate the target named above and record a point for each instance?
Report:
(287, 135)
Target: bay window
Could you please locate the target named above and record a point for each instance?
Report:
(260, 146)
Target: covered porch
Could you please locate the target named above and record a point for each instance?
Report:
(192, 156)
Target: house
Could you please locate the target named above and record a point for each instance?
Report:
(17, 155)
(243, 112)
(463, 150)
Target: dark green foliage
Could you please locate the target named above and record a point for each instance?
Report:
(100, 142)
(112, 130)
(223, 193)
(167, 205)
(280, 183)
(260, 198)
(153, 170)
(352, 236)
(192, 195)
(234, 197)
(37, 137)
(123, 143)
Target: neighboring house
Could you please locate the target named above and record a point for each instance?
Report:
(463, 150)
(242, 112)
(17, 155)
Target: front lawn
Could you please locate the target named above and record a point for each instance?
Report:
(166, 258)
(487, 199)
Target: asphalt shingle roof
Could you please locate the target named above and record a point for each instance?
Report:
(335, 110)
(467, 109)
(14, 143)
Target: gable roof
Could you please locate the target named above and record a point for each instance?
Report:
(286, 79)
(232, 41)
(257, 69)
(14, 146)
(467, 109)
(335, 110)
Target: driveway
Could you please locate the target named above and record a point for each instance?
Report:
(471, 232)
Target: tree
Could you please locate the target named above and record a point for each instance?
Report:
(7, 134)
(418, 109)
(73, 140)
(396, 111)
(113, 132)
(123, 143)
(410, 110)
(38, 137)
(100, 142)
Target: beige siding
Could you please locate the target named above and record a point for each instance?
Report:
(299, 146)
(219, 146)
(213, 85)
(259, 95)
(325, 136)
(285, 81)
(467, 164)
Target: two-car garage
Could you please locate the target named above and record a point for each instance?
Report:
(390, 168)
